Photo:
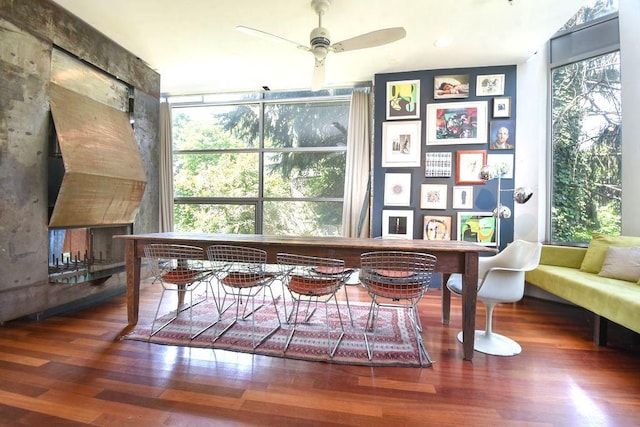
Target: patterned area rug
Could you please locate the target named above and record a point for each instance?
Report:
(394, 343)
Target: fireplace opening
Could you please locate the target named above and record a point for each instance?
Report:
(85, 254)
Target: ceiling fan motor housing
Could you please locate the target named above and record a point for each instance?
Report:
(319, 40)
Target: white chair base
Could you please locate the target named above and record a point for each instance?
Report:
(494, 344)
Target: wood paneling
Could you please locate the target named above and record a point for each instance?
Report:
(104, 177)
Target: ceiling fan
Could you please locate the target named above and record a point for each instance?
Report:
(320, 43)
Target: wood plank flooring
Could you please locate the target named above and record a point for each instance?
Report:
(73, 370)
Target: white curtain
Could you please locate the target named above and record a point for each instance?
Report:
(355, 211)
(166, 169)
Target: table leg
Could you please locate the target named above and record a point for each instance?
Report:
(132, 266)
(469, 296)
(446, 299)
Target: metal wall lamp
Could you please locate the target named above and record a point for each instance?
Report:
(521, 195)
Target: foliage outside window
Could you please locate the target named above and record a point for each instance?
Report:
(270, 166)
(586, 144)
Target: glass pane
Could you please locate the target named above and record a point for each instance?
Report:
(320, 124)
(215, 127)
(303, 218)
(586, 144)
(304, 174)
(215, 175)
(592, 11)
(235, 219)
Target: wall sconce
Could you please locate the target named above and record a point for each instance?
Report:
(521, 195)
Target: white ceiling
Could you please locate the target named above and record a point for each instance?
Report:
(195, 47)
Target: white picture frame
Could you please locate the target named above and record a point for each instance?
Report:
(433, 196)
(397, 189)
(502, 163)
(476, 227)
(401, 143)
(450, 123)
(462, 197)
(403, 100)
(397, 224)
(490, 85)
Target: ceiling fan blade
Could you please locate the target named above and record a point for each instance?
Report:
(318, 75)
(269, 36)
(372, 39)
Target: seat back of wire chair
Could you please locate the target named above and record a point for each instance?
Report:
(396, 279)
(313, 280)
(178, 268)
(242, 272)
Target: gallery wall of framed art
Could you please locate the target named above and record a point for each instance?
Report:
(433, 131)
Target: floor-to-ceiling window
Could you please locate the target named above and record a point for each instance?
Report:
(269, 162)
(586, 180)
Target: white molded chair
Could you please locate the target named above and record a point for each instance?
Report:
(500, 280)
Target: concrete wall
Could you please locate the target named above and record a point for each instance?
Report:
(28, 30)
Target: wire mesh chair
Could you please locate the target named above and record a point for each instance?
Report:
(178, 268)
(396, 279)
(313, 280)
(241, 271)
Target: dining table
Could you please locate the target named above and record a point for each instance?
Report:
(453, 256)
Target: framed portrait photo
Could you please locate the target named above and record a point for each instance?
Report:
(401, 143)
(436, 227)
(502, 134)
(397, 224)
(476, 227)
(397, 189)
(501, 107)
(403, 100)
(433, 196)
(468, 165)
(490, 85)
(457, 123)
(451, 86)
(462, 197)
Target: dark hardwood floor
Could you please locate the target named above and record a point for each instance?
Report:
(74, 370)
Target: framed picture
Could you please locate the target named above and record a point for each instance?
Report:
(502, 163)
(462, 197)
(397, 189)
(436, 228)
(502, 107)
(438, 165)
(403, 100)
(468, 165)
(453, 86)
(502, 134)
(490, 85)
(401, 143)
(457, 123)
(477, 227)
(433, 196)
(397, 224)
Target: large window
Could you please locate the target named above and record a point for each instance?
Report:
(586, 124)
(272, 165)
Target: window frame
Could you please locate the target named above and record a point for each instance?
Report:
(263, 99)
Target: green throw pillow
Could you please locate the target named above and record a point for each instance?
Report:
(597, 251)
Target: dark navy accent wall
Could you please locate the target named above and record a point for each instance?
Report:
(484, 195)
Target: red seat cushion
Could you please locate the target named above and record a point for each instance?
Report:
(312, 286)
(182, 276)
(239, 279)
(395, 291)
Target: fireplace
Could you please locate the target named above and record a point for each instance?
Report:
(85, 254)
(96, 177)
